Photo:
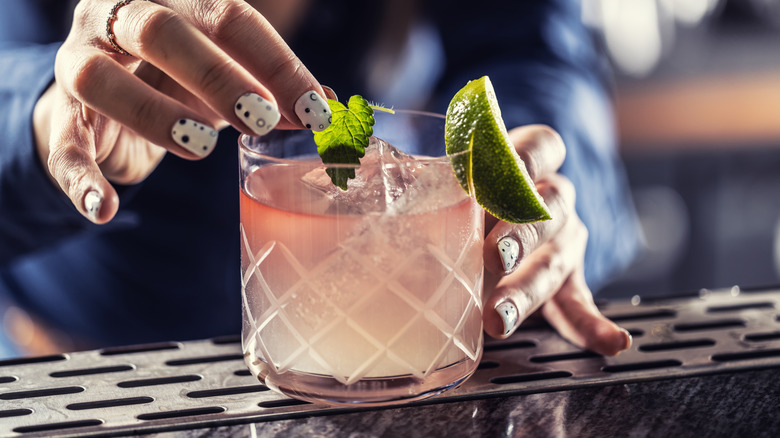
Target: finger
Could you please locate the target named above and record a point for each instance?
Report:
(577, 319)
(247, 37)
(167, 40)
(536, 280)
(540, 147)
(163, 83)
(507, 244)
(72, 164)
(127, 99)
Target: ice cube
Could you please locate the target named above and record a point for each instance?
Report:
(434, 187)
(384, 175)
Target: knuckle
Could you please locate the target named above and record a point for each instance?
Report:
(81, 15)
(221, 20)
(214, 78)
(287, 68)
(85, 71)
(528, 237)
(544, 263)
(551, 190)
(152, 25)
(147, 111)
(65, 165)
(559, 190)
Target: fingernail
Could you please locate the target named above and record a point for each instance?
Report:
(92, 202)
(508, 313)
(313, 111)
(626, 341)
(260, 115)
(193, 136)
(509, 250)
(329, 93)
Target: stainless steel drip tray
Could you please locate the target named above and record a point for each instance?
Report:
(175, 385)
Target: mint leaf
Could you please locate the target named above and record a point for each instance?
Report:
(345, 140)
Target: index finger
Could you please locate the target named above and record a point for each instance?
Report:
(248, 38)
(540, 147)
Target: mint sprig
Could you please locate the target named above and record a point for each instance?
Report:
(346, 139)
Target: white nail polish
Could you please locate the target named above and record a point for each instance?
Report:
(92, 203)
(260, 115)
(193, 136)
(508, 313)
(313, 111)
(509, 250)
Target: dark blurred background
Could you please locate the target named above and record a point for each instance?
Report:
(698, 106)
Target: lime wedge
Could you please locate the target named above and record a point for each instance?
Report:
(485, 161)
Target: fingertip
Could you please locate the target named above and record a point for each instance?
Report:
(196, 138)
(100, 204)
(502, 320)
(492, 322)
(624, 341)
(540, 147)
(501, 250)
(313, 111)
(329, 93)
(609, 339)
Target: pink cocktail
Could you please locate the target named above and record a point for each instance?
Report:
(369, 296)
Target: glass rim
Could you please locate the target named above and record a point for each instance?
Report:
(289, 161)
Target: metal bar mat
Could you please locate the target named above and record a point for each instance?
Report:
(170, 386)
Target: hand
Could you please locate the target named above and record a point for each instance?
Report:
(542, 264)
(192, 67)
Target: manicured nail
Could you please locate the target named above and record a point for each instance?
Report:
(329, 93)
(509, 250)
(313, 111)
(193, 136)
(626, 341)
(92, 202)
(260, 115)
(508, 313)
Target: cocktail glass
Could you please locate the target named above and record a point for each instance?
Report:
(373, 298)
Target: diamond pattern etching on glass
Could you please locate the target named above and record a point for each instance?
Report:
(338, 302)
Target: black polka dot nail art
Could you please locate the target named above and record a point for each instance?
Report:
(258, 114)
(313, 111)
(509, 250)
(193, 136)
(509, 315)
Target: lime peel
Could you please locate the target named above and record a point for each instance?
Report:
(484, 159)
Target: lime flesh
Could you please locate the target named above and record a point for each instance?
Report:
(485, 161)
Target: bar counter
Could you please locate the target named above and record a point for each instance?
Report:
(701, 365)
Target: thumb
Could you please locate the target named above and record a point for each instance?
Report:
(71, 162)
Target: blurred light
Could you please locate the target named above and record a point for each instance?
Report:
(633, 34)
(639, 32)
(692, 12)
(664, 218)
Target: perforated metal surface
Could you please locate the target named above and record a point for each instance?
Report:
(167, 386)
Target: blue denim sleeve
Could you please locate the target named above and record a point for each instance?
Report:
(546, 68)
(33, 211)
